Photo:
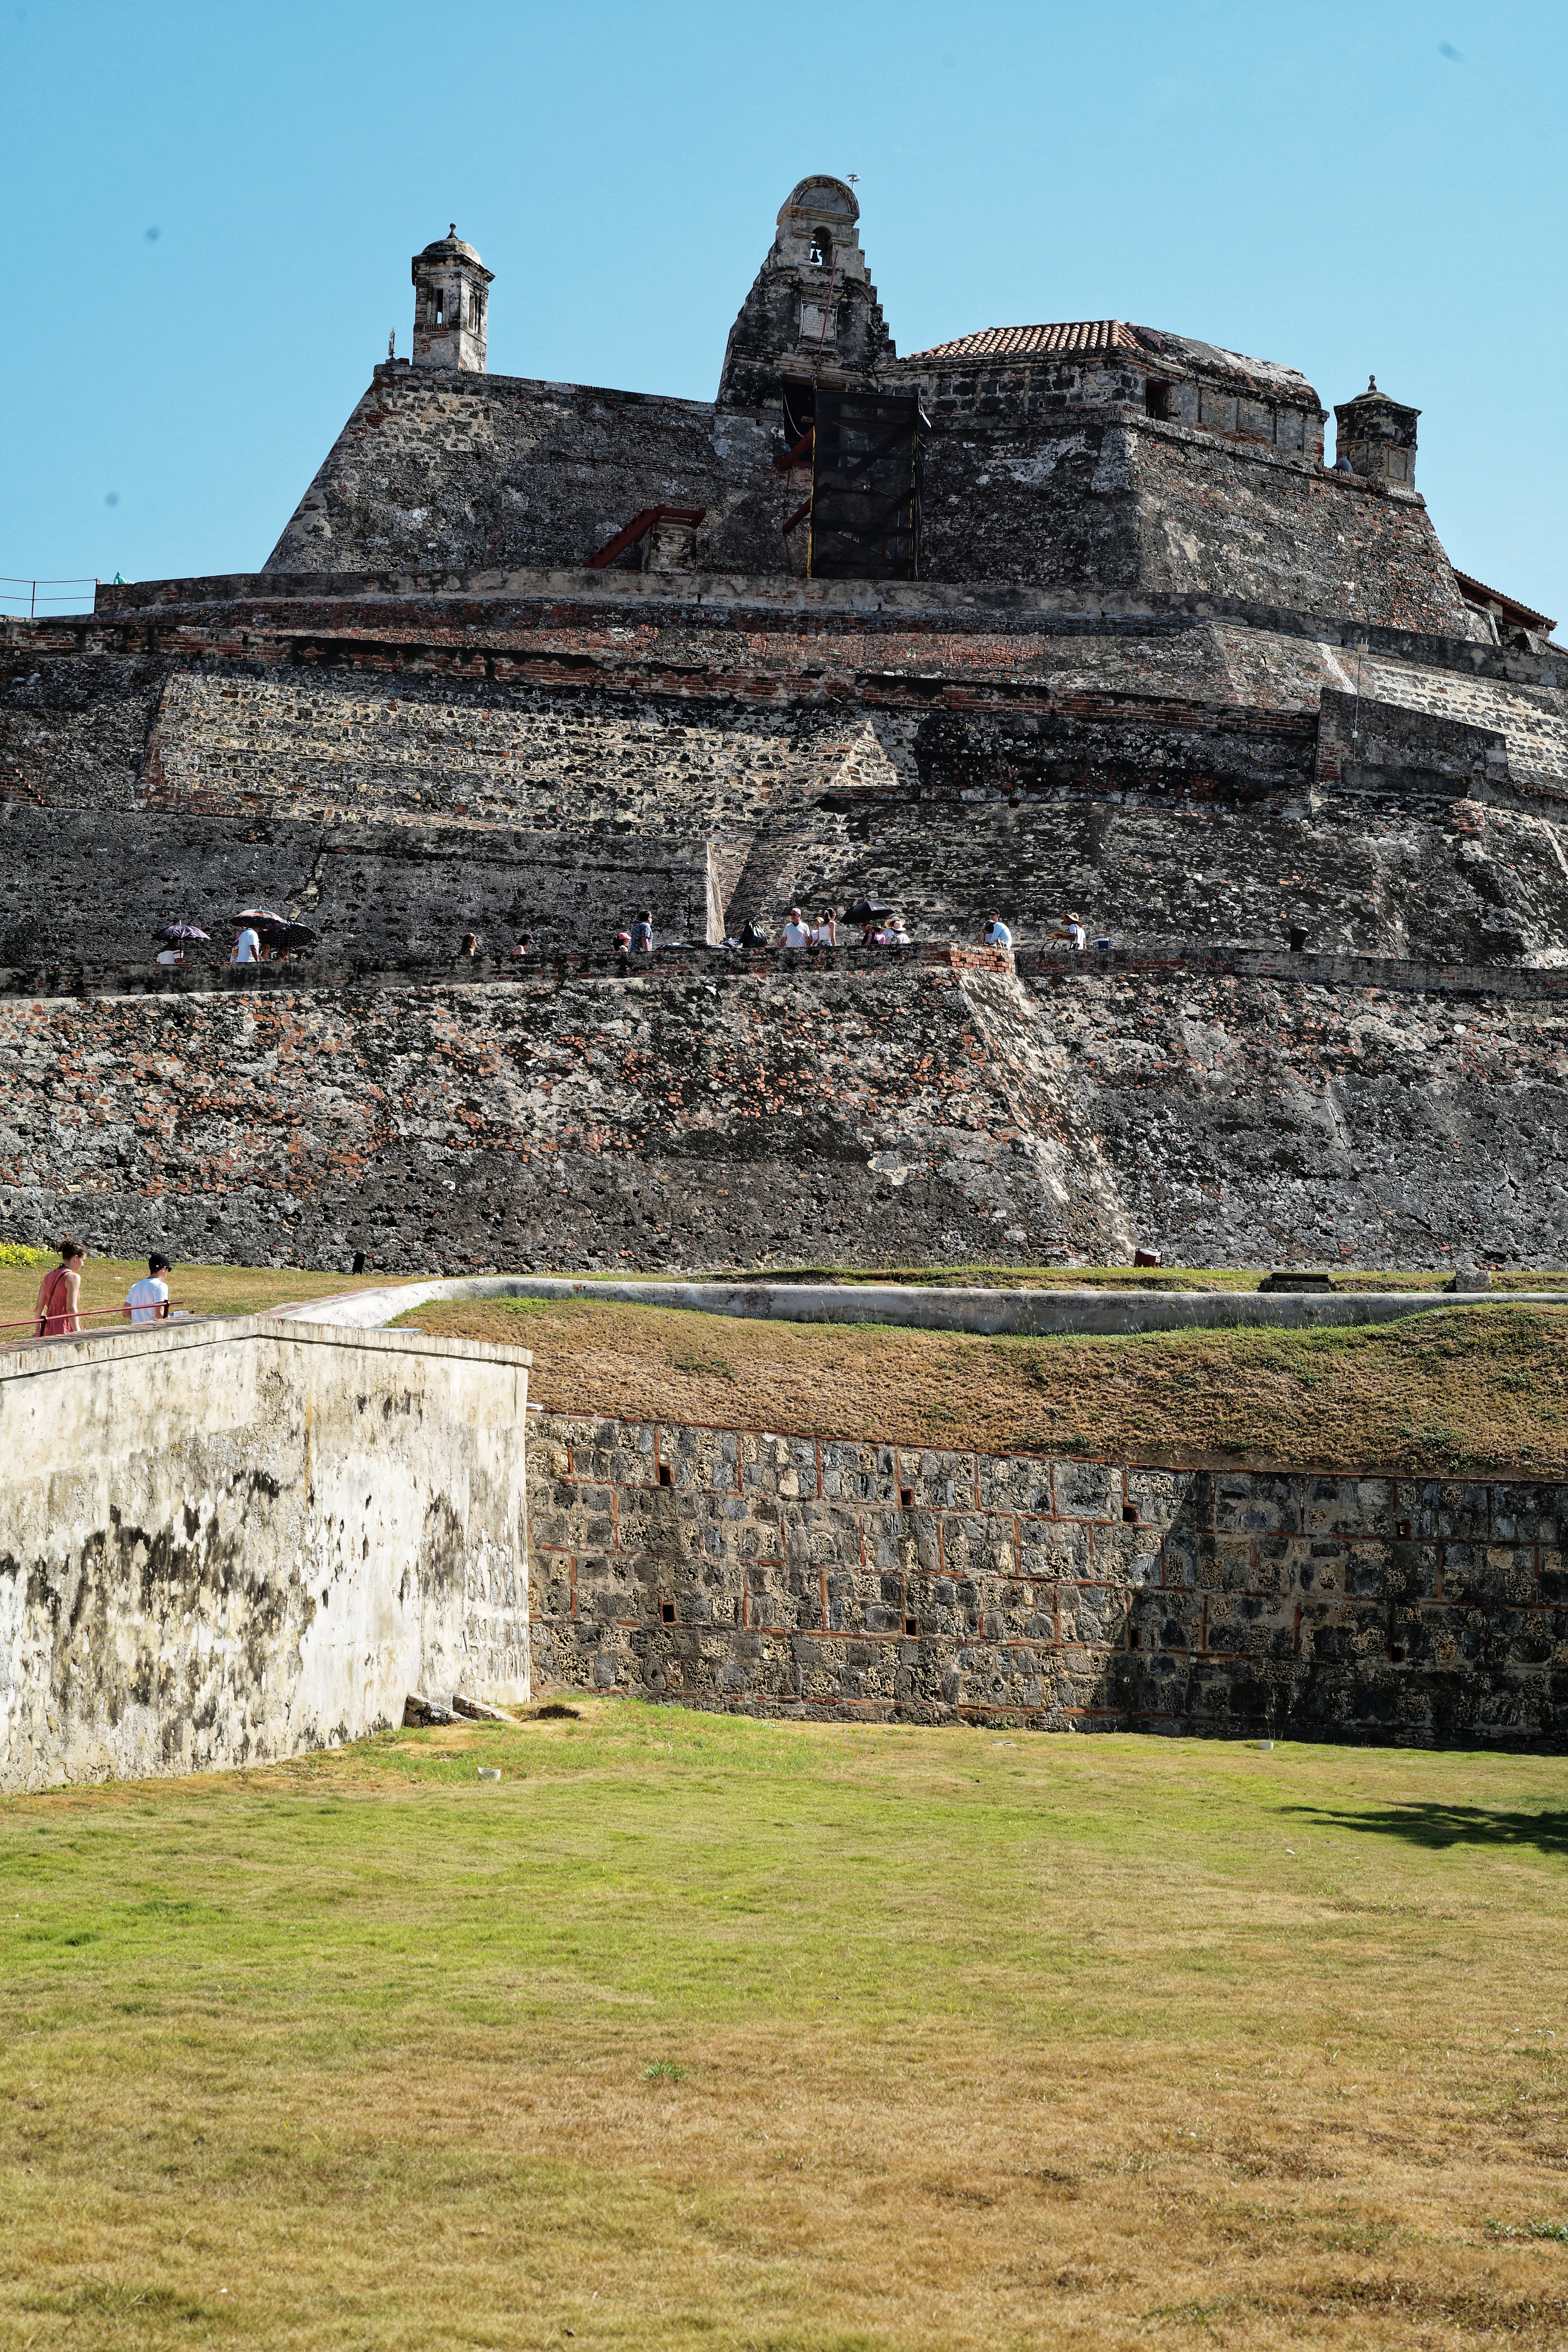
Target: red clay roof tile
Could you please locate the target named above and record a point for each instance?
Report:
(1033, 343)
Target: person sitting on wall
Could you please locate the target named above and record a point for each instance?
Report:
(795, 934)
(147, 1301)
(642, 933)
(826, 932)
(995, 934)
(59, 1293)
(247, 946)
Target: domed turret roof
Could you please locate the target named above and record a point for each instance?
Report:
(448, 247)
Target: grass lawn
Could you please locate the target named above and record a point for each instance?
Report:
(696, 2032)
(1482, 1390)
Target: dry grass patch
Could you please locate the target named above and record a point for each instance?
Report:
(1479, 1390)
(693, 2031)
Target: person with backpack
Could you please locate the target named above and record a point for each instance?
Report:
(57, 1303)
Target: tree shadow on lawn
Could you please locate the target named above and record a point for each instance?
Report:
(1447, 1825)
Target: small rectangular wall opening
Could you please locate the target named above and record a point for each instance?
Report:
(667, 1612)
(666, 1477)
(1157, 399)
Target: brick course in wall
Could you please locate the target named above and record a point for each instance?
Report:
(769, 1574)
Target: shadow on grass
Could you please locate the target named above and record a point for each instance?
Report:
(1447, 1825)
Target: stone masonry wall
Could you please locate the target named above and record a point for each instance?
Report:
(443, 469)
(402, 893)
(768, 1574)
(715, 1109)
(224, 1542)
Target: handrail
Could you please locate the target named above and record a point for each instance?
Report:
(33, 600)
(87, 1313)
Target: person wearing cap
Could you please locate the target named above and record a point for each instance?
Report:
(623, 942)
(525, 945)
(795, 934)
(147, 1301)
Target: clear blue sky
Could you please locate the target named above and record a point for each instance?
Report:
(212, 209)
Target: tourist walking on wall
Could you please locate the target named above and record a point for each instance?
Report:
(147, 1301)
(59, 1293)
(470, 946)
(795, 934)
(642, 933)
(247, 947)
(826, 935)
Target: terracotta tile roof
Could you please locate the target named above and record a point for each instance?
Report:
(1034, 342)
(1524, 616)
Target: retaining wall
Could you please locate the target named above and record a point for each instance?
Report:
(222, 1543)
(844, 1109)
(776, 1575)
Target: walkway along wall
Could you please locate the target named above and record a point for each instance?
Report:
(222, 1543)
(826, 1578)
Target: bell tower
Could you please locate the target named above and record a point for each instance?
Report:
(450, 305)
(813, 313)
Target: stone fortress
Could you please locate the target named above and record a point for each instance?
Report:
(1048, 616)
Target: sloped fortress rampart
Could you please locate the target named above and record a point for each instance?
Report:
(530, 656)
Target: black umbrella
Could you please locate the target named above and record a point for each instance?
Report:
(280, 934)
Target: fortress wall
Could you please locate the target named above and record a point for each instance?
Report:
(1530, 718)
(438, 470)
(73, 730)
(1287, 534)
(313, 744)
(369, 891)
(440, 467)
(765, 1574)
(225, 1542)
(1369, 873)
(525, 710)
(716, 1111)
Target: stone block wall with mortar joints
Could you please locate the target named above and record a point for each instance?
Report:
(823, 1577)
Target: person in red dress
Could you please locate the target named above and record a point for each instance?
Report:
(59, 1293)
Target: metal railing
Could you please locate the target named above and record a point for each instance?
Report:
(83, 1316)
(26, 593)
